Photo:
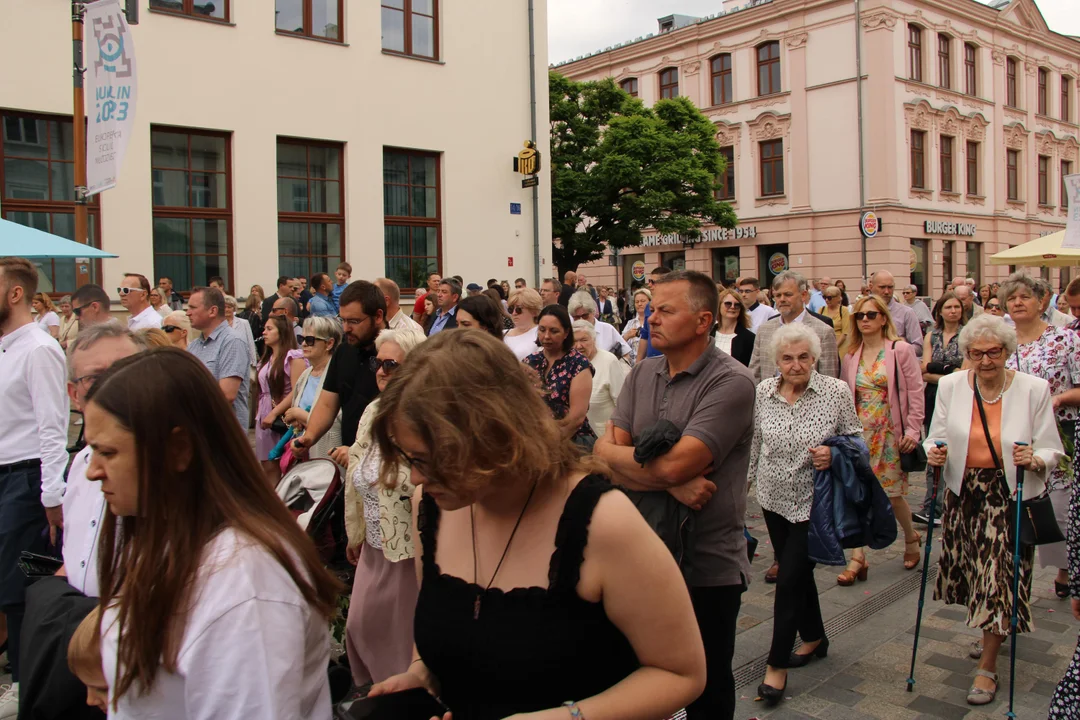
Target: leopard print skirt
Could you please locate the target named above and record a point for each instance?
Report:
(975, 567)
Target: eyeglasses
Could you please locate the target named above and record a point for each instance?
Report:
(516, 309)
(731, 304)
(310, 339)
(388, 366)
(88, 379)
(170, 328)
(352, 322)
(871, 315)
(993, 306)
(582, 316)
(993, 353)
(416, 463)
(126, 290)
(831, 297)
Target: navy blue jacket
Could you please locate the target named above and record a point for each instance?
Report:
(850, 508)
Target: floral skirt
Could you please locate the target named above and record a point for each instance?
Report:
(976, 564)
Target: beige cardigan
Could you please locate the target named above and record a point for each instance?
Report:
(395, 506)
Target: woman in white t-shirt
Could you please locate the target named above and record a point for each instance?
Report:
(525, 306)
(47, 319)
(609, 372)
(215, 603)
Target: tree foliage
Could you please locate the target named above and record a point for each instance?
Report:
(619, 168)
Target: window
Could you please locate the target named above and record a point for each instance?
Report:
(205, 9)
(312, 18)
(768, 68)
(726, 181)
(1066, 169)
(1066, 101)
(190, 187)
(918, 159)
(772, 168)
(974, 261)
(412, 226)
(1010, 82)
(944, 44)
(1012, 174)
(721, 80)
(37, 188)
(630, 86)
(972, 168)
(1044, 180)
(311, 207)
(970, 79)
(946, 160)
(948, 254)
(669, 83)
(914, 44)
(411, 27)
(1043, 74)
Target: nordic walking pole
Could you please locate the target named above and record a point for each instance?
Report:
(925, 568)
(1015, 583)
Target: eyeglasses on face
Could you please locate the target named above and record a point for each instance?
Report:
(170, 328)
(731, 305)
(993, 306)
(88, 379)
(516, 309)
(352, 322)
(122, 291)
(416, 463)
(582, 315)
(310, 339)
(992, 353)
(388, 366)
(870, 315)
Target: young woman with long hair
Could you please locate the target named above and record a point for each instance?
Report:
(280, 368)
(214, 602)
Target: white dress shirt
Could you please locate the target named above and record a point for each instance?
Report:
(84, 510)
(252, 646)
(760, 314)
(401, 321)
(148, 318)
(33, 384)
(607, 338)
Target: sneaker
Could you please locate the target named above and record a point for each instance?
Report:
(924, 519)
(9, 701)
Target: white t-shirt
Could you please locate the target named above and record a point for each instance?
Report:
(252, 646)
(607, 384)
(723, 341)
(47, 320)
(522, 345)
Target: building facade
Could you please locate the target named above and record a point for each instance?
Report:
(968, 124)
(282, 138)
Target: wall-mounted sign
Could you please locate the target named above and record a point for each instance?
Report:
(515, 208)
(914, 261)
(637, 270)
(947, 227)
(869, 224)
(710, 235)
(510, 261)
(531, 181)
(778, 263)
(527, 161)
(1072, 224)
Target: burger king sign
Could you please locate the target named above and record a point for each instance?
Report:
(869, 224)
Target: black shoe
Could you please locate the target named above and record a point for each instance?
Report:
(821, 651)
(923, 518)
(771, 695)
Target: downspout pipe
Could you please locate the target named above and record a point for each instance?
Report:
(859, 102)
(532, 102)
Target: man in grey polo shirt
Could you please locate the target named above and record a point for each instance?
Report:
(221, 350)
(709, 397)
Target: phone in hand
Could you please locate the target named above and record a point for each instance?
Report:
(414, 704)
(36, 566)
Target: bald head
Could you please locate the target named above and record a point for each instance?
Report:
(392, 293)
(883, 285)
(964, 295)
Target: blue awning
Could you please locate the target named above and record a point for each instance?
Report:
(21, 241)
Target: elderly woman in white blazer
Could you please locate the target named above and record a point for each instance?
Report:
(976, 563)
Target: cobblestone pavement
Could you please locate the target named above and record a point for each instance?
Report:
(865, 675)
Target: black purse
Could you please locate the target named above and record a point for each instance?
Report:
(279, 426)
(915, 460)
(1038, 524)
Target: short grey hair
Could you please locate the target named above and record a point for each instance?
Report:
(987, 327)
(405, 338)
(584, 326)
(230, 301)
(1043, 288)
(1016, 281)
(65, 300)
(582, 299)
(92, 335)
(321, 326)
(791, 276)
(792, 334)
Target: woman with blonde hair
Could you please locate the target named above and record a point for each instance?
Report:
(47, 319)
(885, 377)
(69, 322)
(177, 326)
(322, 336)
(524, 307)
(540, 590)
(733, 333)
(152, 337)
(632, 329)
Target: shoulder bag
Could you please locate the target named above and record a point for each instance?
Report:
(915, 460)
(1038, 524)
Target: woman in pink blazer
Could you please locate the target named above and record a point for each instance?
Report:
(885, 377)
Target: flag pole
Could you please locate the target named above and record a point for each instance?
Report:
(78, 115)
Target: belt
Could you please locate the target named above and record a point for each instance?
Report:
(21, 465)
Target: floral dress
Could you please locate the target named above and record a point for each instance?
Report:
(872, 407)
(556, 383)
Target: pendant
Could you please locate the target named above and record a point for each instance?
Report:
(476, 608)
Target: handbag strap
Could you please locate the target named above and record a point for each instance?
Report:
(986, 431)
(899, 394)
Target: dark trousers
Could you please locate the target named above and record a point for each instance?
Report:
(717, 610)
(23, 526)
(795, 606)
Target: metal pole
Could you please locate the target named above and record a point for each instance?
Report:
(78, 117)
(859, 102)
(532, 96)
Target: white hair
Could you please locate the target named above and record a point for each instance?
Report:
(987, 327)
(792, 334)
(584, 326)
(405, 338)
(791, 276)
(582, 299)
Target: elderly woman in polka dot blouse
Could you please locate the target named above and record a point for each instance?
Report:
(794, 413)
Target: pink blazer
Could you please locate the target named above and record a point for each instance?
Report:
(910, 401)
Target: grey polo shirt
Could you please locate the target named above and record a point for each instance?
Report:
(712, 401)
(225, 354)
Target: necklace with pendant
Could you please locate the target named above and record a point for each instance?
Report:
(472, 523)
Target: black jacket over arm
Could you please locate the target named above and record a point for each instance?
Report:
(742, 345)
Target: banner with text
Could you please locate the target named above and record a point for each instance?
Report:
(110, 92)
(1072, 225)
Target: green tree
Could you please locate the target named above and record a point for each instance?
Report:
(619, 168)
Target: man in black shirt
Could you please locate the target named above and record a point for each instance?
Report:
(350, 382)
(283, 290)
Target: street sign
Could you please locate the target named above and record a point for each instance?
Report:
(531, 181)
(515, 208)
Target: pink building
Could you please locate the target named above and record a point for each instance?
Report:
(968, 124)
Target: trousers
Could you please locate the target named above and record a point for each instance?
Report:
(717, 611)
(795, 606)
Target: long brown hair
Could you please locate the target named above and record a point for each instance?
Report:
(854, 341)
(286, 342)
(150, 561)
(744, 317)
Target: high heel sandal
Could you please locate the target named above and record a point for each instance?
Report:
(848, 577)
(911, 559)
(1061, 589)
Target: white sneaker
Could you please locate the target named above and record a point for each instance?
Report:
(9, 701)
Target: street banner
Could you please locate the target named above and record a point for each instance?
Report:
(1072, 226)
(110, 92)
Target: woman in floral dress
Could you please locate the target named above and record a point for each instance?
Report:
(562, 371)
(1053, 354)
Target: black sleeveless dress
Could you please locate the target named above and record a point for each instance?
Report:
(531, 648)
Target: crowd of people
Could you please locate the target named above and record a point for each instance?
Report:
(478, 435)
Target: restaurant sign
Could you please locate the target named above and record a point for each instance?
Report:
(710, 235)
(945, 227)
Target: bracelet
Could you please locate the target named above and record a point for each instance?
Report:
(575, 711)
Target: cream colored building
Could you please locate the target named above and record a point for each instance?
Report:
(284, 142)
(969, 122)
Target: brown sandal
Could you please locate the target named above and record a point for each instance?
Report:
(911, 559)
(848, 577)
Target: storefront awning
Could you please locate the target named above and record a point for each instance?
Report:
(1040, 252)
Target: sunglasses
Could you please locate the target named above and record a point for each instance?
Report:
(731, 305)
(831, 297)
(388, 366)
(516, 309)
(170, 328)
(871, 315)
(127, 291)
(993, 306)
(78, 310)
(310, 339)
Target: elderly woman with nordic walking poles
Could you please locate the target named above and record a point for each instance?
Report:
(996, 424)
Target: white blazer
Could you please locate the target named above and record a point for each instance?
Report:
(1027, 415)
